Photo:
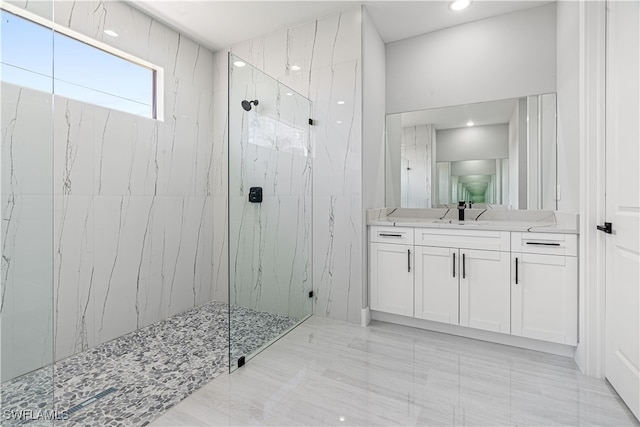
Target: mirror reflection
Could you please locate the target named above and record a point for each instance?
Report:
(500, 154)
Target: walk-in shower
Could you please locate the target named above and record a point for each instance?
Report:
(270, 210)
(115, 303)
(110, 311)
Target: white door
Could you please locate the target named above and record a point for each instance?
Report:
(544, 297)
(622, 353)
(392, 278)
(437, 284)
(485, 301)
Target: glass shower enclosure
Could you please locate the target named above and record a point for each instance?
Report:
(26, 241)
(270, 210)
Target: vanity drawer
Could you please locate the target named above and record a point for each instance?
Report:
(489, 240)
(545, 243)
(399, 235)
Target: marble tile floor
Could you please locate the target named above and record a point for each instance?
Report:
(151, 369)
(327, 372)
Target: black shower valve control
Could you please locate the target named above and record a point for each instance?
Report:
(255, 195)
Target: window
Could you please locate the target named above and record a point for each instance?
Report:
(56, 60)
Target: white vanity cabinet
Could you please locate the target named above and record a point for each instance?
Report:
(436, 284)
(391, 272)
(544, 291)
(462, 277)
(520, 283)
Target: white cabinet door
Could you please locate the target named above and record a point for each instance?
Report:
(392, 278)
(484, 290)
(436, 284)
(544, 298)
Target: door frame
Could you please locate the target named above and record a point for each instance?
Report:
(590, 351)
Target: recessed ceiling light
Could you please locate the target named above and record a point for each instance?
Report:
(111, 33)
(296, 68)
(458, 5)
(340, 102)
(239, 63)
(469, 123)
(288, 93)
(339, 122)
(342, 418)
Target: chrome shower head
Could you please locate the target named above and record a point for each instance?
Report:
(247, 104)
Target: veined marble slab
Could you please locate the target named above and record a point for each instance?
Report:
(486, 219)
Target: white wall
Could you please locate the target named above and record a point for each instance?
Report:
(373, 122)
(473, 143)
(568, 69)
(329, 51)
(133, 197)
(502, 57)
(473, 167)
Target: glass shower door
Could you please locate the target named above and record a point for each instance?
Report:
(270, 196)
(26, 206)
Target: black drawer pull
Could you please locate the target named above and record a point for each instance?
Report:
(389, 235)
(454, 264)
(516, 270)
(409, 260)
(543, 244)
(464, 267)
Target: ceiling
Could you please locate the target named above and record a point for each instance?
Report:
(481, 114)
(219, 24)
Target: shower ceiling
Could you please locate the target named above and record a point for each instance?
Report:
(219, 24)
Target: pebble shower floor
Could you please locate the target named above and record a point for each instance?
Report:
(144, 373)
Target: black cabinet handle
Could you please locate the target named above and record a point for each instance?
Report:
(409, 260)
(543, 244)
(454, 264)
(516, 270)
(389, 235)
(464, 267)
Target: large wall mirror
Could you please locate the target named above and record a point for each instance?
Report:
(500, 154)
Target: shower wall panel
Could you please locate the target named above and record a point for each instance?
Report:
(328, 54)
(134, 205)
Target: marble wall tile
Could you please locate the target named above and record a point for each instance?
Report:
(337, 250)
(26, 289)
(183, 262)
(338, 144)
(120, 225)
(26, 293)
(127, 154)
(135, 199)
(73, 155)
(220, 261)
(271, 254)
(73, 274)
(328, 51)
(26, 149)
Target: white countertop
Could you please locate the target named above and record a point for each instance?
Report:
(525, 221)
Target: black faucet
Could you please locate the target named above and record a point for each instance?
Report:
(461, 207)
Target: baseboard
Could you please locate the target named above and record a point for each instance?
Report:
(461, 331)
(365, 316)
